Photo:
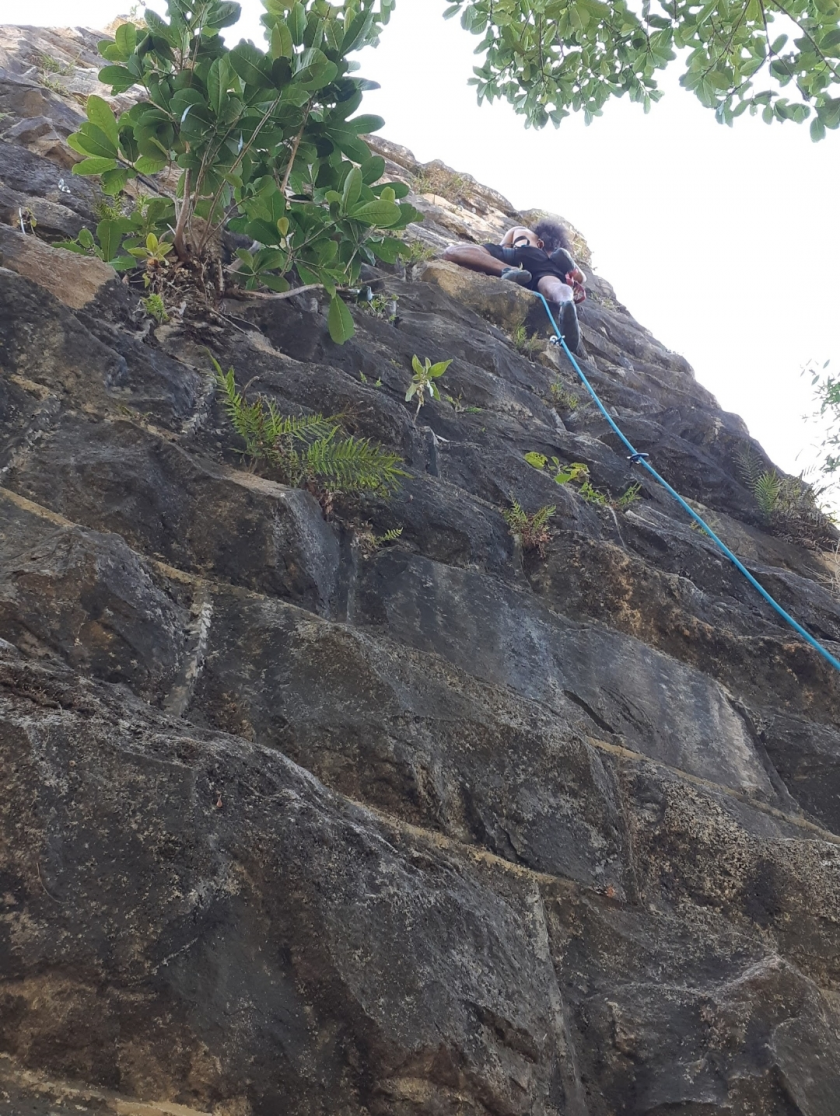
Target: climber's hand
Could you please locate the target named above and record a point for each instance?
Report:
(576, 279)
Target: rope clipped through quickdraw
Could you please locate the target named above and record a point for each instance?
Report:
(642, 459)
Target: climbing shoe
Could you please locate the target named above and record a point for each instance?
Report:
(517, 275)
(567, 319)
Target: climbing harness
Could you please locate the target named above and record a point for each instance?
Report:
(642, 459)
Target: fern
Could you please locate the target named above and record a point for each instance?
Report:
(352, 464)
(789, 505)
(390, 536)
(750, 465)
(306, 449)
(531, 530)
(767, 489)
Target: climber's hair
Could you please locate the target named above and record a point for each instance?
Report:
(553, 236)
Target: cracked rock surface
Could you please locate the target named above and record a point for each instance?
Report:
(294, 824)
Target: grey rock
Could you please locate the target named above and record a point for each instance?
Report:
(299, 820)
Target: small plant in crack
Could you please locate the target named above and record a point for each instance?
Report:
(417, 252)
(423, 381)
(531, 530)
(439, 181)
(387, 538)
(577, 474)
(154, 307)
(526, 343)
(789, 505)
(460, 407)
(562, 399)
(50, 70)
(382, 306)
(307, 451)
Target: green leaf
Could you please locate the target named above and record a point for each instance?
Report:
(357, 33)
(389, 249)
(364, 125)
(161, 28)
(817, 130)
(113, 53)
(148, 164)
(297, 23)
(71, 246)
(397, 189)
(263, 231)
(380, 214)
(373, 169)
(281, 41)
(113, 181)
(218, 80)
(275, 283)
(271, 259)
(109, 234)
(224, 14)
(90, 140)
(318, 75)
(94, 166)
(538, 460)
(101, 114)
(126, 40)
(249, 64)
(340, 321)
(118, 77)
(352, 190)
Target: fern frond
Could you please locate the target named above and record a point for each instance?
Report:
(750, 465)
(515, 516)
(353, 465)
(247, 419)
(388, 537)
(531, 530)
(299, 428)
(232, 401)
(541, 517)
(306, 447)
(767, 490)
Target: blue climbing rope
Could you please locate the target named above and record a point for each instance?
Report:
(642, 459)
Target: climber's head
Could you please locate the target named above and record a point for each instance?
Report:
(552, 236)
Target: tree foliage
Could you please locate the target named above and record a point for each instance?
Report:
(826, 385)
(267, 142)
(551, 57)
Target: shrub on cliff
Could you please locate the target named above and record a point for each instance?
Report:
(266, 143)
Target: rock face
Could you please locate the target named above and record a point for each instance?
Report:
(292, 824)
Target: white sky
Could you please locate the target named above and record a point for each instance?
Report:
(723, 242)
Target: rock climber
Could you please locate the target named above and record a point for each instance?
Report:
(537, 259)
